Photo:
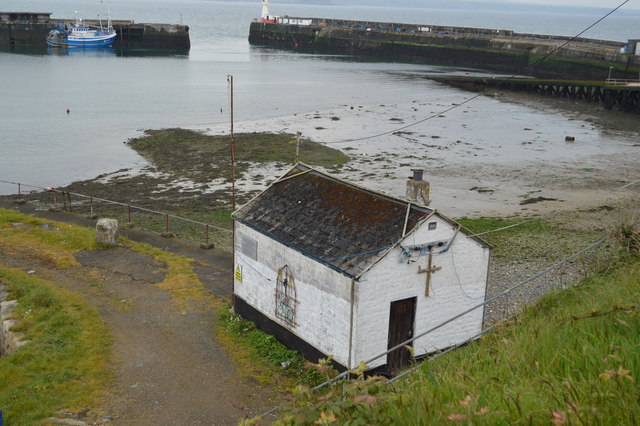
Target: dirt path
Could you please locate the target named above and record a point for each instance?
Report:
(169, 368)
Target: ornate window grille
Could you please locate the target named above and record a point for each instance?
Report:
(286, 300)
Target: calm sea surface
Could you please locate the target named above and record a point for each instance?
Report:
(112, 96)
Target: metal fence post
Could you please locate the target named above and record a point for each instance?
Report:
(54, 207)
(206, 245)
(20, 200)
(166, 233)
(129, 223)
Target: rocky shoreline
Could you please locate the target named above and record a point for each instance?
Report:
(467, 178)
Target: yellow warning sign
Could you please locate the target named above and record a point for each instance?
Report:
(239, 273)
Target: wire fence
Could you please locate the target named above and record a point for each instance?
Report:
(501, 303)
(129, 214)
(542, 279)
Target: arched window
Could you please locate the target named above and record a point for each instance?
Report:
(286, 301)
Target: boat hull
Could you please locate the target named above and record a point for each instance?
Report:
(87, 42)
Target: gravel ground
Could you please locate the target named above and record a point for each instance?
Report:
(569, 233)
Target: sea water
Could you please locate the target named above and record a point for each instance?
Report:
(113, 95)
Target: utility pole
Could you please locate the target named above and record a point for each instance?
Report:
(233, 176)
(233, 147)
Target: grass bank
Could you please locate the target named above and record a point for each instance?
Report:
(54, 243)
(570, 359)
(65, 363)
(259, 356)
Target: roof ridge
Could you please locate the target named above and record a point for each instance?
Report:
(309, 169)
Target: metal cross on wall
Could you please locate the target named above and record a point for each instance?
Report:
(431, 268)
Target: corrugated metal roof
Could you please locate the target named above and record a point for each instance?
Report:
(329, 219)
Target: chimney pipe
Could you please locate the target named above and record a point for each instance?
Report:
(418, 189)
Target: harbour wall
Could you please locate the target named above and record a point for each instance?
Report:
(492, 49)
(33, 33)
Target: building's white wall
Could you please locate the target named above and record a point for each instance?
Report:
(459, 285)
(324, 307)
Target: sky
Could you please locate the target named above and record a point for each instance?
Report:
(609, 4)
(454, 4)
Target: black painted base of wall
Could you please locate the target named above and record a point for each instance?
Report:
(295, 343)
(283, 335)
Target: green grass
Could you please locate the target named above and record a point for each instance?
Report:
(535, 240)
(65, 363)
(55, 243)
(261, 356)
(184, 285)
(573, 358)
(68, 237)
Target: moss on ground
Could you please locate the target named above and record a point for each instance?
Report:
(172, 149)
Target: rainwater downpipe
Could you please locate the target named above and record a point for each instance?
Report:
(353, 302)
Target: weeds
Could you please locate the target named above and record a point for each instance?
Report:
(627, 233)
(570, 359)
(261, 355)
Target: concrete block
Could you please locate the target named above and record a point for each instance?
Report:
(7, 324)
(11, 339)
(6, 309)
(107, 231)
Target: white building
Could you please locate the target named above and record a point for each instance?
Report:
(331, 268)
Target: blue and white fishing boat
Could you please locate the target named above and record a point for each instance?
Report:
(82, 35)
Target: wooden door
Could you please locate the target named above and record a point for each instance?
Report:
(401, 322)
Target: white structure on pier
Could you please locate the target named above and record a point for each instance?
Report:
(265, 12)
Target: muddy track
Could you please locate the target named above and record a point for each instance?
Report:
(168, 367)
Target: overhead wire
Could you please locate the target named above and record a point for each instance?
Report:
(454, 318)
(443, 353)
(446, 249)
(554, 212)
(486, 301)
(482, 93)
(455, 270)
